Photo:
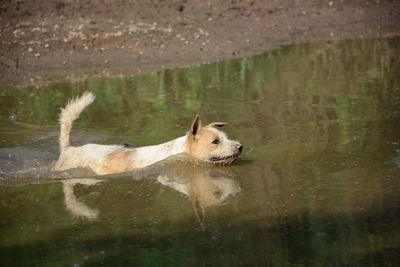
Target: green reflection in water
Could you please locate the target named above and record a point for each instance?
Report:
(318, 183)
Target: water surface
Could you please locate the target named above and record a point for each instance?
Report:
(317, 184)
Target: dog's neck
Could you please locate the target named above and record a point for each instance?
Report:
(151, 154)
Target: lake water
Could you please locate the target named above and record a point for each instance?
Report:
(318, 182)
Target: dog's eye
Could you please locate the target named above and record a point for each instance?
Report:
(216, 141)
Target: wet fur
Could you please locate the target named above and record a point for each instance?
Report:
(107, 159)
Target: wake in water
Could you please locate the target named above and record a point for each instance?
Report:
(26, 165)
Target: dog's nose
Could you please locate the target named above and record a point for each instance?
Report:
(240, 147)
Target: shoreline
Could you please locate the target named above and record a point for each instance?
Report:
(43, 44)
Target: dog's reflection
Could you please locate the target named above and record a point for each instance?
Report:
(73, 204)
(205, 186)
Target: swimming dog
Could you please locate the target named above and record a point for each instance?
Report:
(205, 143)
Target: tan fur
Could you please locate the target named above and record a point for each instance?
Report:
(119, 161)
(106, 159)
(200, 145)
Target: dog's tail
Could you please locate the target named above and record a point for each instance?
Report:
(70, 113)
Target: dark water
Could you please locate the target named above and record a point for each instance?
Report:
(318, 183)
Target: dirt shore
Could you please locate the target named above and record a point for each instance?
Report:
(55, 40)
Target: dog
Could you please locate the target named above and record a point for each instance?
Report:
(204, 143)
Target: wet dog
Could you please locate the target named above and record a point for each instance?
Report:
(205, 143)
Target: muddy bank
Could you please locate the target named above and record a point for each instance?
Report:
(48, 41)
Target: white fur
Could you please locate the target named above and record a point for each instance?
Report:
(148, 155)
(70, 113)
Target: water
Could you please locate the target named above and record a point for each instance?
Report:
(318, 183)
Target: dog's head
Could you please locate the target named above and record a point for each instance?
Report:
(210, 144)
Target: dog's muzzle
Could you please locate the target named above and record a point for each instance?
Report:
(228, 159)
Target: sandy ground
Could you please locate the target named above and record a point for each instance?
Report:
(55, 40)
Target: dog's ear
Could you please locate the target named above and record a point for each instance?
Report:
(196, 125)
(218, 124)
